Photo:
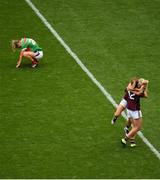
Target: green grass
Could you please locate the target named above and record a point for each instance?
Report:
(55, 123)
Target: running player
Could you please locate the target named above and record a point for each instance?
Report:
(29, 49)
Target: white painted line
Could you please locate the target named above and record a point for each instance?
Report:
(75, 57)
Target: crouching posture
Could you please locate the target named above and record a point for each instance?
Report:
(29, 49)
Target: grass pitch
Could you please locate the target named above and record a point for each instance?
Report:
(55, 123)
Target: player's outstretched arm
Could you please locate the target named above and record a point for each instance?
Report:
(20, 59)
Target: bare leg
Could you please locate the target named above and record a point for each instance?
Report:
(31, 56)
(128, 125)
(117, 113)
(119, 110)
(137, 124)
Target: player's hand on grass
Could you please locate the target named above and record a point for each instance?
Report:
(18, 65)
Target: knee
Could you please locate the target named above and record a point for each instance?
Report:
(25, 54)
(117, 114)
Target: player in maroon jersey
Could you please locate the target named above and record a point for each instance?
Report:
(134, 85)
(134, 113)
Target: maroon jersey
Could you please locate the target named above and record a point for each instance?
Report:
(133, 100)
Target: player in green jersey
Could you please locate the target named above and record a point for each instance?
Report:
(29, 49)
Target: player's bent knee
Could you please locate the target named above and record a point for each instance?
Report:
(24, 54)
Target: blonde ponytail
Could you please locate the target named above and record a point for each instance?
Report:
(14, 44)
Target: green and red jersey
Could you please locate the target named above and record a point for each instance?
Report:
(28, 43)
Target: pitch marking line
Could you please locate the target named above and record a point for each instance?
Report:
(75, 57)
